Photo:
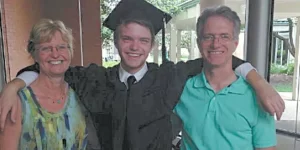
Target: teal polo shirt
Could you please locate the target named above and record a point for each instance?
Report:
(228, 120)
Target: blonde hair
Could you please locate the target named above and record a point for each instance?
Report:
(44, 30)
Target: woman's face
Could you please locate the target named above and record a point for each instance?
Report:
(53, 57)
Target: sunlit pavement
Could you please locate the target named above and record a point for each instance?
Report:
(288, 124)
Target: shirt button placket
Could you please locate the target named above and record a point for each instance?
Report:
(212, 105)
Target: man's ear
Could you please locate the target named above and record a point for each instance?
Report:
(199, 44)
(236, 43)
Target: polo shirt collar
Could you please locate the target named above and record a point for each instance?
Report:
(235, 87)
(201, 81)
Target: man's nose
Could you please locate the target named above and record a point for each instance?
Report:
(134, 45)
(216, 42)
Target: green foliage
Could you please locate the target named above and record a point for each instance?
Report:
(186, 39)
(106, 6)
(290, 69)
(110, 63)
(169, 6)
(284, 52)
(279, 69)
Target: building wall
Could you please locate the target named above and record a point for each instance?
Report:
(91, 25)
(86, 19)
(20, 15)
(66, 11)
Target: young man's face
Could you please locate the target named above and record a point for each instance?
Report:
(217, 44)
(134, 45)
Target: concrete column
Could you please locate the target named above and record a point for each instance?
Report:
(178, 54)
(259, 34)
(281, 51)
(276, 50)
(173, 43)
(197, 51)
(155, 52)
(210, 3)
(192, 51)
(296, 63)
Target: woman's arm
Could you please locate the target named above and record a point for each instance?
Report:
(9, 138)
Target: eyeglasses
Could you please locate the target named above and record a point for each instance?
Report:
(222, 38)
(59, 48)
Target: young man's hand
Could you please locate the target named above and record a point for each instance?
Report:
(9, 101)
(267, 95)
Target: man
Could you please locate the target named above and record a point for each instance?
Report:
(135, 116)
(218, 108)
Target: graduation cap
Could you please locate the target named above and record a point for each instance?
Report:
(141, 10)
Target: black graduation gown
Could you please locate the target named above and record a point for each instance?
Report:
(149, 107)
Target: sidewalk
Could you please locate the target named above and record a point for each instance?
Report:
(286, 95)
(288, 123)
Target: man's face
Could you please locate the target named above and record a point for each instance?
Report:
(217, 44)
(134, 45)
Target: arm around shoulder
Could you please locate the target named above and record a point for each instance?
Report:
(267, 95)
(79, 76)
(8, 100)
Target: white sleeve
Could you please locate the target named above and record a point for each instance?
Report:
(28, 77)
(244, 69)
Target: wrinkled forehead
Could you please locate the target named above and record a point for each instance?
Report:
(218, 25)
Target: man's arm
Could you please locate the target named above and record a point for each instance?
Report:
(90, 84)
(177, 75)
(9, 100)
(87, 82)
(9, 138)
(270, 99)
(267, 95)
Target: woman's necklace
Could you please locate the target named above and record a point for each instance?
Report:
(58, 99)
(61, 98)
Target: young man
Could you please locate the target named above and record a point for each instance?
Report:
(218, 108)
(136, 116)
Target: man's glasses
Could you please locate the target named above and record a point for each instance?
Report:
(222, 38)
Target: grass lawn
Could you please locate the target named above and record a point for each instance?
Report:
(283, 87)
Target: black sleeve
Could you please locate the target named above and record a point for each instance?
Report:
(178, 75)
(237, 62)
(33, 67)
(90, 85)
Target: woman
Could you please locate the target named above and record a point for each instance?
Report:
(50, 116)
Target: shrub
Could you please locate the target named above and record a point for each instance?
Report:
(279, 69)
(290, 69)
